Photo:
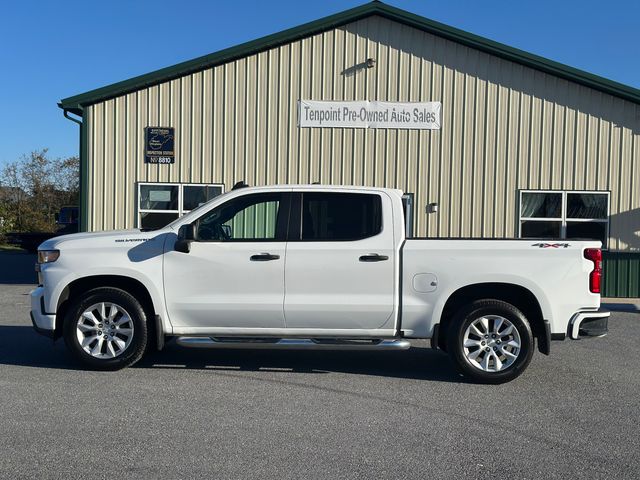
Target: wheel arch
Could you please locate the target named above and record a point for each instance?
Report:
(84, 284)
(520, 297)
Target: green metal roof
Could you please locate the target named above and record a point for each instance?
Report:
(76, 103)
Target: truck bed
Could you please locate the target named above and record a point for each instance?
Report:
(554, 271)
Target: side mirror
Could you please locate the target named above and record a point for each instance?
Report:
(186, 235)
(57, 217)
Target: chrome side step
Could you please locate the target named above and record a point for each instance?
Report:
(292, 343)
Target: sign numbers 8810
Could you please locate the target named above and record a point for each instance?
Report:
(162, 160)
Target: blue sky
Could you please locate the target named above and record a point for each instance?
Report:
(52, 50)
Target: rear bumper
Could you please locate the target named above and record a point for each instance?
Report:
(589, 324)
(43, 323)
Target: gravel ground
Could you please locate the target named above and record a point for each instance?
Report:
(256, 414)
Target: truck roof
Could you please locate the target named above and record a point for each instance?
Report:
(318, 186)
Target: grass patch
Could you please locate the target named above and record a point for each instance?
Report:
(5, 247)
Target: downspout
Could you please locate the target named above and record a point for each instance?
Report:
(84, 214)
(66, 115)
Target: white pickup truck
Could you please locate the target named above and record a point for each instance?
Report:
(318, 267)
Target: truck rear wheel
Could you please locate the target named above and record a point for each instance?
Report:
(490, 341)
(106, 329)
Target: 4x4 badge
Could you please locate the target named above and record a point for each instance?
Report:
(550, 245)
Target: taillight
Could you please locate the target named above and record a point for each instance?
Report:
(595, 277)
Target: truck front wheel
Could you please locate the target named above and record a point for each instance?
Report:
(490, 341)
(106, 329)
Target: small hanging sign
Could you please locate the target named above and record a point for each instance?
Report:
(159, 145)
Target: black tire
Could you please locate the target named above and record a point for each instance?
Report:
(138, 344)
(462, 321)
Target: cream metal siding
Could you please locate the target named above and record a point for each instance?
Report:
(505, 127)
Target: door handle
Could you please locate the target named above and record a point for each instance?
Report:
(373, 257)
(263, 257)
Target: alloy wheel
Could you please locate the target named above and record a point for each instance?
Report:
(491, 343)
(104, 330)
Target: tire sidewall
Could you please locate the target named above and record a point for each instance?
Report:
(138, 344)
(490, 307)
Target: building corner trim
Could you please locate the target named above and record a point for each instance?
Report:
(84, 176)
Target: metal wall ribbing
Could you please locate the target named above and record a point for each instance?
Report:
(505, 127)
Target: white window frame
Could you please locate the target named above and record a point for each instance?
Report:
(180, 211)
(563, 219)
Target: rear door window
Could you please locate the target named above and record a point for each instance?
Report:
(329, 217)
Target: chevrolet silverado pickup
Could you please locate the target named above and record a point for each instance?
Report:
(317, 267)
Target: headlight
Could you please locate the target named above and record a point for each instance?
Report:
(48, 256)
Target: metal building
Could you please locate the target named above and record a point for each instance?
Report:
(521, 145)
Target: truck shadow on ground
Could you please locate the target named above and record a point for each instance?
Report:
(22, 346)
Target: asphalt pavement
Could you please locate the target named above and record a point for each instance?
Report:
(258, 414)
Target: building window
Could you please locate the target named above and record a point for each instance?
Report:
(564, 214)
(161, 203)
(407, 206)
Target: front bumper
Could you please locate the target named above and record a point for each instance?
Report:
(589, 324)
(43, 323)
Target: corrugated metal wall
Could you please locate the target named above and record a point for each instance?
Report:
(504, 127)
(621, 274)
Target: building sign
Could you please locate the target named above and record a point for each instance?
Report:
(366, 114)
(159, 145)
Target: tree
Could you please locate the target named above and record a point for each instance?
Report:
(33, 190)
